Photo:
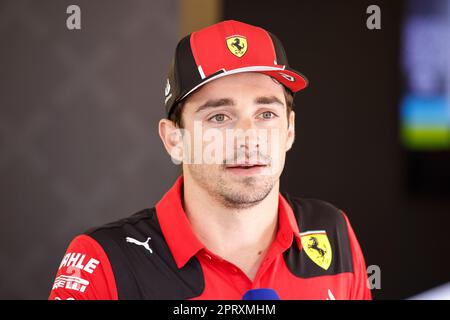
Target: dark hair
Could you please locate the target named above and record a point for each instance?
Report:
(176, 115)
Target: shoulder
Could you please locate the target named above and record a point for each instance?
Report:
(138, 222)
(137, 235)
(315, 213)
(142, 262)
(323, 230)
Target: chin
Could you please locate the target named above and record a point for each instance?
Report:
(244, 197)
(249, 186)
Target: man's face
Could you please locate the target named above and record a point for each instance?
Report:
(237, 137)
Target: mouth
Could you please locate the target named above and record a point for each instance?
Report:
(246, 165)
(246, 169)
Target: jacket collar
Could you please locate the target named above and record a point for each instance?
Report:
(181, 239)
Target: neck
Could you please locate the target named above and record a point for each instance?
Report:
(241, 236)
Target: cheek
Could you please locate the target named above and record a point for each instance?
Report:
(203, 146)
(273, 145)
(278, 141)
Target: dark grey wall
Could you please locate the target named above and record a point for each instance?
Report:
(78, 126)
(347, 149)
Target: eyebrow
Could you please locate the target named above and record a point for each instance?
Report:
(268, 100)
(214, 103)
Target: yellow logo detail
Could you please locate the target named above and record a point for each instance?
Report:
(317, 247)
(237, 45)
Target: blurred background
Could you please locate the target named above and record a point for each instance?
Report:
(79, 110)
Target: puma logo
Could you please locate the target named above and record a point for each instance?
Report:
(139, 243)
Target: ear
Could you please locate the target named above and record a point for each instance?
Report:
(172, 138)
(291, 131)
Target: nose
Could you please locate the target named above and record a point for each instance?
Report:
(247, 134)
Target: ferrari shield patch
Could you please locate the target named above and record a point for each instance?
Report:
(317, 246)
(237, 45)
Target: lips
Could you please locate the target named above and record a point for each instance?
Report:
(246, 165)
(248, 169)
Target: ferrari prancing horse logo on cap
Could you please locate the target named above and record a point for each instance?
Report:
(237, 45)
(317, 247)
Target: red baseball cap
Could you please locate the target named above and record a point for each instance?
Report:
(226, 48)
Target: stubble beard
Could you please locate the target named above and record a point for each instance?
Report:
(230, 192)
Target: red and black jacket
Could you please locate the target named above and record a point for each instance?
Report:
(154, 254)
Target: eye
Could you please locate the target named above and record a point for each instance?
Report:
(266, 115)
(220, 117)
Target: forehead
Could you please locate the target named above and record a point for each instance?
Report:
(238, 85)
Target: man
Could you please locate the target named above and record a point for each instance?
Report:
(224, 228)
